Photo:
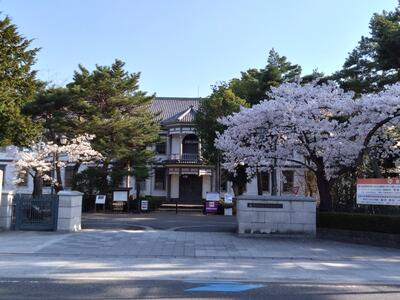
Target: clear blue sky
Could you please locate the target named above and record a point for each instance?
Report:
(181, 47)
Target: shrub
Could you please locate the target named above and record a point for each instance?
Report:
(359, 222)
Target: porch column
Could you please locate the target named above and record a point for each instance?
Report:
(168, 185)
(168, 144)
(180, 146)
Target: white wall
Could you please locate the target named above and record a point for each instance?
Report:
(176, 144)
(174, 186)
(206, 185)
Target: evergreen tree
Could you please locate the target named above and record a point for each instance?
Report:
(117, 112)
(375, 62)
(18, 85)
(222, 102)
(255, 83)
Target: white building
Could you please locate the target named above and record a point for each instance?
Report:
(180, 174)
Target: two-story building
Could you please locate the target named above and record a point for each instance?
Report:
(181, 172)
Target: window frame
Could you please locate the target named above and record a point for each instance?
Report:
(285, 189)
(157, 179)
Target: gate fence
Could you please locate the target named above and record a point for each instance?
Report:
(35, 213)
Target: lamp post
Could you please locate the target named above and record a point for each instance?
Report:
(62, 139)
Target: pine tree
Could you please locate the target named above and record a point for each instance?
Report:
(375, 62)
(117, 112)
(254, 84)
(18, 85)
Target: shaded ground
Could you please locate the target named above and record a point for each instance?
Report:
(183, 221)
(18, 289)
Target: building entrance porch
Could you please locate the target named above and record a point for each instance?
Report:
(188, 184)
(190, 189)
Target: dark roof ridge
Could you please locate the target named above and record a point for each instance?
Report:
(178, 98)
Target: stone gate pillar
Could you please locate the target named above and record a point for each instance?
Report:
(6, 199)
(69, 211)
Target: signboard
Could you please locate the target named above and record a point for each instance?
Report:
(144, 205)
(203, 172)
(212, 196)
(378, 191)
(120, 196)
(211, 206)
(101, 199)
(228, 198)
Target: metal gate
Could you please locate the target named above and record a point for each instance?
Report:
(39, 213)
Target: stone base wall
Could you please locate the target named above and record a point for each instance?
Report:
(276, 215)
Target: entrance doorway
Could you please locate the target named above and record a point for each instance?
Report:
(190, 189)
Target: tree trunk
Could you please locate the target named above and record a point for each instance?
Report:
(104, 181)
(376, 171)
(259, 184)
(137, 189)
(75, 171)
(274, 182)
(324, 192)
(37, 185)
(237, 189)
(59, 186)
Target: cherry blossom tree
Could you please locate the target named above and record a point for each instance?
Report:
(319, 127)
(39, 159)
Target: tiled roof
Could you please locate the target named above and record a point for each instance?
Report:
(175, 109)
(186, 116)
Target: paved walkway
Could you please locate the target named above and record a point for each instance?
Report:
(183, 221)
(165, 254)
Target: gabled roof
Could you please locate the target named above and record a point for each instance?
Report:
(186, 116)
(175, 109)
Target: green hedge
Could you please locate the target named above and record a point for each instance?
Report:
(359, 222)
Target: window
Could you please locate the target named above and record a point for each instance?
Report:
(3, 168)
(264, 181)
(68, 176)
(3, 149)
(159, 179)
(190, 144)
(161, 148)
(287, 181)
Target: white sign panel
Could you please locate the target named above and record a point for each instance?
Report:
(228, 198)
(120, 196)
(101, 199)
(212, 196)
(144, 205)
(378, 191)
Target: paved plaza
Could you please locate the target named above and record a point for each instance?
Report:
(167, 254)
